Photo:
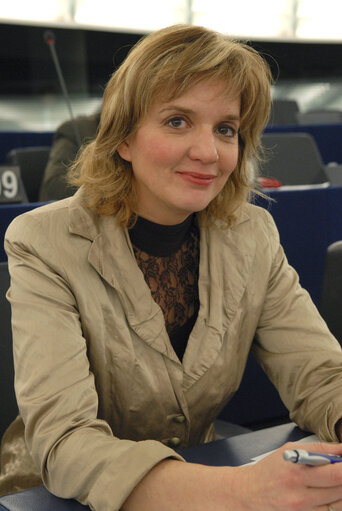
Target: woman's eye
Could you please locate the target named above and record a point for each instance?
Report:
(226, 131)
(177, 122)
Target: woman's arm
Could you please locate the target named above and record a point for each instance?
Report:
(271, 485)
(296, 349)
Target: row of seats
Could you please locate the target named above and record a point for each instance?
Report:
(254, 379)
(291, 158)
(287, 112)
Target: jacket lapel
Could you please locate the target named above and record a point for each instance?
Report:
(111, 255)
(226, 258)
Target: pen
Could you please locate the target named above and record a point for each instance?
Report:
(310, 458)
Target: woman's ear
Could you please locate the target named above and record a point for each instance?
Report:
(124, 151)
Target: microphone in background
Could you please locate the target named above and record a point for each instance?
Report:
(49, 38)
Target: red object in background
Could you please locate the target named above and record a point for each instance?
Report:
(269, 182)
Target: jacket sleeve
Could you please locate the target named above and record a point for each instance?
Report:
(296, 349)
(76, 452)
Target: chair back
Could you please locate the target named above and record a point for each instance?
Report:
(283, 112)
(32, 162)
(293, 159)
(331, 298)
(8, 403)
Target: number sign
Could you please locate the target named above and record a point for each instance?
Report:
(10, 184)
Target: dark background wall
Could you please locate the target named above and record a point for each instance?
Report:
(88, 57)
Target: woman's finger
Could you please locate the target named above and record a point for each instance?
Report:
(325, 476)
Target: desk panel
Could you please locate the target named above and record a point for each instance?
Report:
(39, 499)
(239, 450)
(308, 221)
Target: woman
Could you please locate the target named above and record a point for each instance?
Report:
(135, 302)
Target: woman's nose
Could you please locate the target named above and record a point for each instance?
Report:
(203, 147)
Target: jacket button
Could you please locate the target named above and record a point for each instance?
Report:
(180, 419)
(173, 442)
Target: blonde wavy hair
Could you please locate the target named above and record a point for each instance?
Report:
(163, 66)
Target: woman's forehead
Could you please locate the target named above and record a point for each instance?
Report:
(206, 87)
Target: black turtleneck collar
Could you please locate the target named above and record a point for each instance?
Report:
(157, 239)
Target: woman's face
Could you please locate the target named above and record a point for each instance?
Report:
(183, 152)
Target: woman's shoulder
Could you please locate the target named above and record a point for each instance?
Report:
(53, 217)
(250, 217)
(50, 233)
(256, 213)
(254, 229)
(259, 223)
(51, 214)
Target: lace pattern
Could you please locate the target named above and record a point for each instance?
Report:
(173, 280)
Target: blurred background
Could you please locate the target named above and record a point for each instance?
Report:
(301, 39)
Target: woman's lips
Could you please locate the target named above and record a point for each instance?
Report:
(197, 178)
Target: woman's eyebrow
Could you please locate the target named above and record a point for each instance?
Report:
(232, 118)
(179, 108)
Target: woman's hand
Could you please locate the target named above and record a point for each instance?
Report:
(273, 484)
(276, 484)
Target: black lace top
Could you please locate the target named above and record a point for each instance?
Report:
(168, 256)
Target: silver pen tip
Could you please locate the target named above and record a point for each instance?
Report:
(290, 456)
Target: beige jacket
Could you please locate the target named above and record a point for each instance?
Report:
(100, 390)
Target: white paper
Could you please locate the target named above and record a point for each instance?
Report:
(307, 439)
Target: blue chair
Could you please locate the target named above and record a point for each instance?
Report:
(293, 159)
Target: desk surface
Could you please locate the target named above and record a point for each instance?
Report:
(240, 449)
(231, 451)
